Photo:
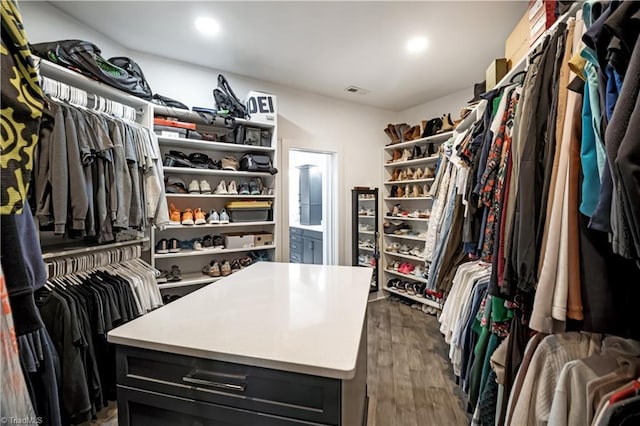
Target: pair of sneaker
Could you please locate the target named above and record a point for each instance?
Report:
(222, 188)
(171, 245)
(218, 218)
(210, 242)
(201, 187)
(216, 269)
(253, 187)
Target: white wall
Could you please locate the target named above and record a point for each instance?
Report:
(305, 120)
(452, 103)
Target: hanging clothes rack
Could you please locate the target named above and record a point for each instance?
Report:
(81, 98)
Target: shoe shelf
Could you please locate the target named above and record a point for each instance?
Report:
(414, 297)
(405, 256)
(366, 216)
(425, 160)
(414, 219)
(210, 172)
(440, 137)
(365, 265)
(218, 225)
(402, 182)
(366, 248)
(223, 196)
(407, 198)
(209, 145)
(209, 252)
(366, 232)
(366, 199)
(407, 276)
(194, 278)
(406, 237)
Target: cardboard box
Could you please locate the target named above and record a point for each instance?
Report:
(263, 239)
(517, 44)
(497, 69)
(238, 241)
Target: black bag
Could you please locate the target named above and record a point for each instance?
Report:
(227, 100)
(84, 57)
(247, 135)
(168, 102)
(257, 162)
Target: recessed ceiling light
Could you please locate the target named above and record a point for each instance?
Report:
(207, 26)
(417, 44)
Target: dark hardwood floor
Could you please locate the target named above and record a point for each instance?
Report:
(409, 375)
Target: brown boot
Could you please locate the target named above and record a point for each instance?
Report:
(400, 192)
(395, 138)
(396, 174)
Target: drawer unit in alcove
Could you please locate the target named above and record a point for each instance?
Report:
(223, 388)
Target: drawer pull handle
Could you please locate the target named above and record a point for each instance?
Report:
(239, 387)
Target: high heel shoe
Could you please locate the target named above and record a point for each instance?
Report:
(406, 155)
(418, 174)
(396, 175)
(394, 191)
(425, 190)
(410, 173)
(432, 127)
(395, 156)
(416, 152)
(407, 191)
(400, 193)
(402, 175)
(447, 123)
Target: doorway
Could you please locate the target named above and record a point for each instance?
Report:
(312, 207)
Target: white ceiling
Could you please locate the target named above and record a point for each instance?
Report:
(322, 47)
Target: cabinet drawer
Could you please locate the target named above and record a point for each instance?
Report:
(295, 257)
(295, 246)
(295, 238)
(281, 393)
(141, 408)
(293, 231)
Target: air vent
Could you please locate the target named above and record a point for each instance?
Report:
(357, 90)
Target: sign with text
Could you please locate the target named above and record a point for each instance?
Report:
(262, 107)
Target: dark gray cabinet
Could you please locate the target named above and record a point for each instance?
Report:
(305, 246)
(310, 195)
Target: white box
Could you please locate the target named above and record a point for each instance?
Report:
(262, 107)
(238, 241)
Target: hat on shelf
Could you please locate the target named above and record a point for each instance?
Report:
(478, 89)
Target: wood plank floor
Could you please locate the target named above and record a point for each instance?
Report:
(409, 375)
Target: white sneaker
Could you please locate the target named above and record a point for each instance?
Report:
(224, 217)
(205, 188)
(214, 217)
(417, 271)
(194, 187)
(222, 188)
(232, 188)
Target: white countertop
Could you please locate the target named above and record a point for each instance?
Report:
(293, 317)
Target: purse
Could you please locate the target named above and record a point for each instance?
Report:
(257, 162)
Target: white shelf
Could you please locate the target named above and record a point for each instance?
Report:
(402, 182)
(366, 232)
(407, 276)
(366, 216)
(365, 248)
(414, 219)
(440, 137)
(366, 199)
(406, 237)
(216, 225)
(210, 172)
(407, 198)
(426, 160)
(195, 278)
(415, 298)
(210, 145)
(209, 252)
(194, 117)
(365, 265)
(223, 196)
(405, 256)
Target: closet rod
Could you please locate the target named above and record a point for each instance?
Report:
(93, 249)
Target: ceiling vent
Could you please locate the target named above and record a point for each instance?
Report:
(357, 90)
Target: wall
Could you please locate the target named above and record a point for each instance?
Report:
(305, 120)
(452, 103)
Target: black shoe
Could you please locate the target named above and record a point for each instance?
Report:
(394, 191)
(218, 241)
(174, 274)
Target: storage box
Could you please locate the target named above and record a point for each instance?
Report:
(238, 241)
(263, 240)
(262, 107)
(517, 44)
(248, 214)
(497, 69)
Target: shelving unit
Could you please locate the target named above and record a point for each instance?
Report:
(365, 200)
(415, 298)
(192, 261)
(421, 204)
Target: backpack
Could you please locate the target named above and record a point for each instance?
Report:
(257, 162)
(168, 102)
(84, 57)
(227, 100)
